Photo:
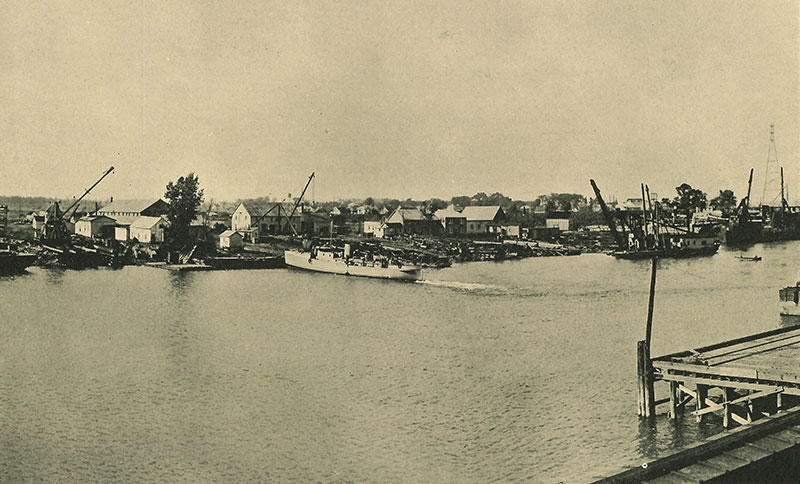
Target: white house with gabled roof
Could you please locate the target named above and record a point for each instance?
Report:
(480, 219)
(148, 230)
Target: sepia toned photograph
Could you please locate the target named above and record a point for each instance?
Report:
(400, 241)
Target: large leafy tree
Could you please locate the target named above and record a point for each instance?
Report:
(185, 197)
(725, 202)
(688, 201)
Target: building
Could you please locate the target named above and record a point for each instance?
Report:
(148, 230)
(93, 226)
(384, 230)
(133, 209)
(453, 222)
(558, 220)
(513, 231)
(37, 220)
(315, 223)
(122, 232)
(254, 220)
(413, 221)
(481, 218)
(126, 212)
(370, 226)
(230, 239)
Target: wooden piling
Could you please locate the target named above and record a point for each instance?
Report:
(673, 400)
(702, 395)
(647, 398)
(727, 395)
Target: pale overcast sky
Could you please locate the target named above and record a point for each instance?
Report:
(395, 99)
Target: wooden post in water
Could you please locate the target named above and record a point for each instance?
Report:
(647, 397)
(673, 400)
(641, 373)
(727, 396)
(702, 394)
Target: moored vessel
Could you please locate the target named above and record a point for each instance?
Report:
(338, 261)
(707, 246)
(14, 262)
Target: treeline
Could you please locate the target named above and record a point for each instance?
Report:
(31, 204)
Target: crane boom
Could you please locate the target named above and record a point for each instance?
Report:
(76, 202)
(612, 225)
(297, 203)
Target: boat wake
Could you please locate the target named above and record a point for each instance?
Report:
(464, 286)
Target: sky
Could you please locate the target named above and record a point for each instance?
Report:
(396, 98)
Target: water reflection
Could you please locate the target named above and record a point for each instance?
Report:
(646, 438)
(177, 337)
(11, 277)
(180, 283)
(787, 321)
(54, 276)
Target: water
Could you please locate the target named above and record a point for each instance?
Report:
(520, 371)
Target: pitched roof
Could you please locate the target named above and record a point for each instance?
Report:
(91, 218)
(125, 219)
(448, 213)
(409, 214)
(144, 222)
(131, 205)
(228, 233)
(475, 213)
(257, 209)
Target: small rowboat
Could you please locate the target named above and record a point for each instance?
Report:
(754, 258)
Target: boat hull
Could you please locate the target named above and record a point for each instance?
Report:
(303, 260)
(670, 253)
(13, 263)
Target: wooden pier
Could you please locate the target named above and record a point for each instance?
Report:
(752, 382)
(751, 375)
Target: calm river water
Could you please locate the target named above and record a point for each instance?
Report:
(521, 371)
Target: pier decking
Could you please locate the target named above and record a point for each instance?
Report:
(753, 381)
(752, 373)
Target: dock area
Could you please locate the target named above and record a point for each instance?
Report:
(752, 382)
(765, 451)
(752, 374)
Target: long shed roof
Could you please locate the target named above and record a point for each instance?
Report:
(131, 205)
(477, 213)
(145, 222)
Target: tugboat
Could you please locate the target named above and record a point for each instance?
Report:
(339, 261)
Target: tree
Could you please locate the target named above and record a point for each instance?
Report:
(185, 197)
(461, 201)
(566, 201)
(480, 198)
(391, 204)
(688, 201)
(434, 204)
(725, 202)
(586, 216)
